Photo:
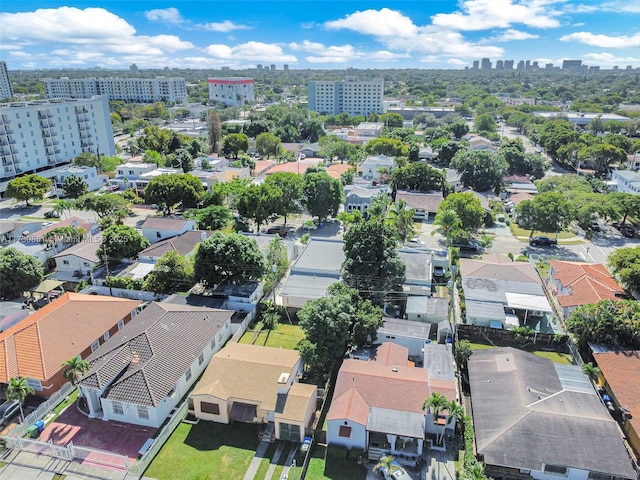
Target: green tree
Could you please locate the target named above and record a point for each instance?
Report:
(459, 129)
(74, 368)
(18, 391)
(231, 257)
(602, 156)
(260, 203)
(420, 177)
(485, 123)
(268, 144)
(27, 187)
(215, 129)
(170, 190)
(234, 143)
(322, 195)
(65, 235)
(290, 185)
(462, 352)
(151, 156)
(212, 217)
(74, 186)
(401, 216)
(18, 273)
(172, 273)
(625, 265)
(480, 170)
(63, 206)
(121, 241)
(393, 120)
(626, 203)
(371, 264)
(386, 146)
(468, 209)
(591, 371)
(547, 212)
(448, 150)
(447, 222)
(105, 205)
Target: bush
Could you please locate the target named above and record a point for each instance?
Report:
(337, 451)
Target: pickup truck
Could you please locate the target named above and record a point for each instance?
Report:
(543, 241)
(8, 410)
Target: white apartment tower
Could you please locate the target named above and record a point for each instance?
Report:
(137, 90)
(37, 137)
(6, 91)
(234, 91)
(350, 95)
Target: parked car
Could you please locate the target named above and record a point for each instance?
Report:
(626, 230)
(113, 188)
(8, 410)
(395, 471)
(594, 226)
(438, 272)
(52, 214)
(468, 246)
(542, 241)
(415, 241)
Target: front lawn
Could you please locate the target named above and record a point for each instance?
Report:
(321, 468)
(206, 450)
(283, 335)
(522, 232)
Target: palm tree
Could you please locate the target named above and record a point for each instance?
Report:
(377, 209)
(455, 411)
(18, 390)
(63, 206)
(591, 370)
(401, 216)
(448, 222)
(475, 471)
(385, 463)
(436, 403)
(74, 368)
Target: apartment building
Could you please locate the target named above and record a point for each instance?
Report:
(234, 91)
(350, 95)
(6, 90)
(37, 137)
(137, 90)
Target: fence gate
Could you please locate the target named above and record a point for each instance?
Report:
(61, 452)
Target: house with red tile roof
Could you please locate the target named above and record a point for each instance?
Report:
(73, 324)
(576, 283)
(377, 405)
(620, 371)
(336, 170)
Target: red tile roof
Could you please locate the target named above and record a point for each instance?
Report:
(37, 346)
(588, 282)
(262, 166)
(69, 222)
(392, 354)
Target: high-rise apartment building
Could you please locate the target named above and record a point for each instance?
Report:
(499, 65)
(234, 91)
(476, 64)
(508, 64)
(520, 65)
(350, 95)
(41, 135)
(6, 90)
(142, 90)
(571, 65)
(485, 64)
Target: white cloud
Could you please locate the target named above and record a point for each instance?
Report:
(380, 23)
(383, 55)
(486, 14)
(604, 41)
(251, 51)
(166, 15)
(608, 60)
(457, 62)
(226, 26)
(622, 6)
(511, 35)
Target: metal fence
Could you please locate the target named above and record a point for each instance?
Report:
(98, 457)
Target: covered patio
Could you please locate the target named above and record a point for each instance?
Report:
(400, 434)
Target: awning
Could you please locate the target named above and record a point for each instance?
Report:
(395, 422)
(522, 301)
(243, 412)
(46, 286)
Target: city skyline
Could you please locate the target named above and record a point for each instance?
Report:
(322, 35)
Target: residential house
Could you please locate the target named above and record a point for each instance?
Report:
(423, 204)
(71, 325)
(574, 284)
(311, 149)
(262, 166)
(500, 293)
(142, 372)
(429, 309)
(536, 419)
(317, 266)
(336, 170)
(620, 374)
(373, 164)
(625, 181)
(183, 244)
(633, 162)
(377, 405)
(143, 180)
(408, 334)
(128, 173)
(155, 229)
(476, 142)
(76, 263)
(88, 174)
(359, 198)
(514, 184)
(369, 129)
(256, 384)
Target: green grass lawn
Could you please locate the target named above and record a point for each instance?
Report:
(522, 232)
(208, 450)
(333, 469)
(284, 335)
(555, 357)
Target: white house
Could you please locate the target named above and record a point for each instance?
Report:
(143, 180)
(372, 165)
(625, 181)
(359, 198)
(88, 174)
(128, 172)
(155, 229)
(142, 372)
(183, 244)
(76, 262)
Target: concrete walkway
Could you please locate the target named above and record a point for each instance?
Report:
(255, 463)
(288, 463)
(274, 461)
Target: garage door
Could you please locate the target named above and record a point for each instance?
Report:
(289, 432)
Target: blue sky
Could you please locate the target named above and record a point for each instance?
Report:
(330, 34)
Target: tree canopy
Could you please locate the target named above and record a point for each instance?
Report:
(290, 185)
(260, 203)
(27, 187)
(18, 273)
(230, 257)
(172, 273)
(421, 177)
(170, 190)
(625, 264)
(322, 194)
(121, 241)
(467, 208)
(212, 217)
(267, 144)
(480, 169)
(75, 186)
(547, 212)
(234, 143)
(105, 205)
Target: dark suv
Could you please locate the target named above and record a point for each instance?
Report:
(467, 246)
(543, 241)
(8, 410)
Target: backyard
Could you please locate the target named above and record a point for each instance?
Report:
(332, 468)
(284, 335)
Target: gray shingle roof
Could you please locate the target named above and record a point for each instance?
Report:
(524, 416)
(142, 362)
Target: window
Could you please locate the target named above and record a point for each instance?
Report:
(65, 262)
(158, 234)
(37, 386)
(555, 469)
(599, 476)
(188, 374)
(213, 343)
(143, 412)
(201, 359)
(345, 431)
(106, 335)
(117, 409)
(120, 324)
(95, 345)
(212, 408)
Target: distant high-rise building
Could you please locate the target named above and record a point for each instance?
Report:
(143, 90)
(349, 95)
(499, 65)
(285, 67)
(259, 67)
(508, 64)
(571, 65)
(233, 91)
(594, 69)
(225, 69)
(520, 65)
(57, 132)
(485, 64)
(615, 67)
(548, 66)
(6, 90)
(273, 67)
(133, 69)
(534, 66)
(527, 65)
(476, 64)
